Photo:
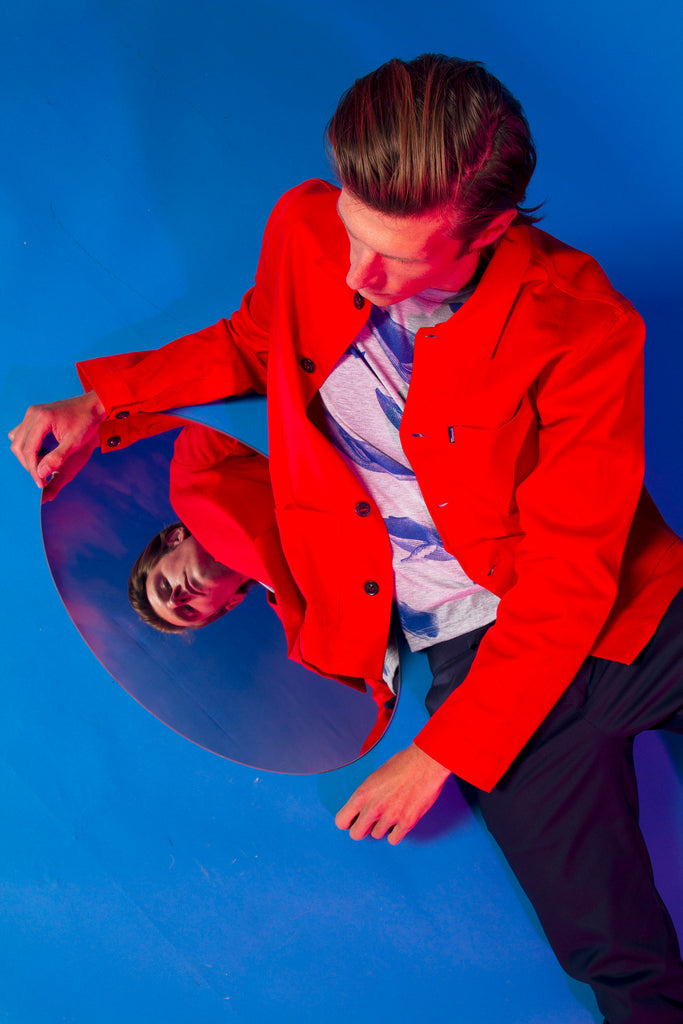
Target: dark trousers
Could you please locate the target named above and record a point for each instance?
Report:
(565, 815)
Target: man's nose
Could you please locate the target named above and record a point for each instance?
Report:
(178, 596)
(364, 269)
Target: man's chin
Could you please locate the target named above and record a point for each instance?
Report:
(386, 299)
(378, 299)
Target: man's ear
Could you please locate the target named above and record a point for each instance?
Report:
(234, 601)
(175, 537)
(239, 595)
(494, 229)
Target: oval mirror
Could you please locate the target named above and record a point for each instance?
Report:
(229, 685)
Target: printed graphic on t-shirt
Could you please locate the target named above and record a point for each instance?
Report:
(363, 399)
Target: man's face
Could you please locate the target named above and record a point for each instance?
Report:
(187, 587)
(393, 258)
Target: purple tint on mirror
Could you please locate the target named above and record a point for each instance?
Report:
(228, 686)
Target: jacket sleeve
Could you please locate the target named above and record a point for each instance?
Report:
(227, 359)
(575, 510)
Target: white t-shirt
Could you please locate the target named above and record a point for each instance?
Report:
(363, 399)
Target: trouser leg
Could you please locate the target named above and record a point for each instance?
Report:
(566, 818)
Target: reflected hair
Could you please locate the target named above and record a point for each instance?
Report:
(137, 583)
(431, 132)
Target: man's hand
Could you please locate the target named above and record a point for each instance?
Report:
(71, 466)
(73, 422)
(393, 799)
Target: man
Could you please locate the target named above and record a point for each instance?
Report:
(195, 570)
(175, 584)
(455, 410)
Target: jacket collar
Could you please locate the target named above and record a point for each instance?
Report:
(484, 314)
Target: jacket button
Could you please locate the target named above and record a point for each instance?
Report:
(371, 588)
(123, 415)
(113, 442)
(358, 300)
(363, 509)
(307, 365)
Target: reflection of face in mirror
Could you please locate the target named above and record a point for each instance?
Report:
(230, 687)
(175, 583)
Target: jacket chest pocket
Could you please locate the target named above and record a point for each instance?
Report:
(490, 393)
(497, 455)
(486, 458)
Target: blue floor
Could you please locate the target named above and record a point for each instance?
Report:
(143, 878)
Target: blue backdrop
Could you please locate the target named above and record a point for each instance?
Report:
(141, 877)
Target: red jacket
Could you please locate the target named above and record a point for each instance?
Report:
(538, 381)
(220, 489)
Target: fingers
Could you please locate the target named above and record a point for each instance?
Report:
(362, 825)
(73, 421)
(347, 816)
(50, 463)
(70, 467)
(358, 817)
(393, 799)
(397, 833)
(367, 813)
(374, 824)
(26, 441)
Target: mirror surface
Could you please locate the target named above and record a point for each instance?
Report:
(228, 686)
